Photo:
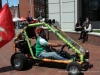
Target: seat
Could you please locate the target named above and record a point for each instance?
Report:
(30, 32)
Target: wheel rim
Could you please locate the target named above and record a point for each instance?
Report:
(17, 62)
(73, 70)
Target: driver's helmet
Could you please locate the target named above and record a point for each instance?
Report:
(39, 30)
(29, 19)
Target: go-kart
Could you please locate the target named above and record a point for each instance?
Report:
(23, 51)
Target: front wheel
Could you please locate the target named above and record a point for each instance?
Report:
(73, 68)
(18, 61)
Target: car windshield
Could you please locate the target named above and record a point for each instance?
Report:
(65, 36)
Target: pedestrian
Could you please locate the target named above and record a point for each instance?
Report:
(87, 28)
(78, 26)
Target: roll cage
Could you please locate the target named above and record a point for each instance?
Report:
(59, 33)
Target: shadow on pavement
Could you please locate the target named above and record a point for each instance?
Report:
(63, 66)
(53, 65)
(87, 66)
(6, 69)
(81, 73)
(29, 65)
(57, 66)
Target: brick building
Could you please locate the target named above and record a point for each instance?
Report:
(0, 3)
(14, 11)
(32, 7)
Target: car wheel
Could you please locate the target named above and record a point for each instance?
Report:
(73, 68)
(18, 61)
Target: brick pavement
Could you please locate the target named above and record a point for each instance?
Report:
(48, 68)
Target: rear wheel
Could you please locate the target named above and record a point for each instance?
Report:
(73, 68)
(19, 61)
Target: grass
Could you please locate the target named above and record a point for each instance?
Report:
(98, 31)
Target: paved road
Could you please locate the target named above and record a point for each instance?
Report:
(48, 68)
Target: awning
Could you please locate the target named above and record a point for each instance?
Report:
(16, 19)
(23, 19)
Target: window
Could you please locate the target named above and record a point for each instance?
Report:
(35, 9)
(43, 10)
(43, 2)
(91, 9)
(35, 0)
(28, 1)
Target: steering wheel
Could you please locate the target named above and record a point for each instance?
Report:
(62, 48)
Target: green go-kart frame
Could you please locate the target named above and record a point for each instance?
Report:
(19, 59)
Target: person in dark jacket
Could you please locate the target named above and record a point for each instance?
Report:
(78, 26)
(32, 30)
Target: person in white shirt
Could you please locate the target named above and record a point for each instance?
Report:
(87, 28)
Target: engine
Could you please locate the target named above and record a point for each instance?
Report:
(22, 46)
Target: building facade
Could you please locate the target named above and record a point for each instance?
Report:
(14, 11)
(32, 8)
(67, 12)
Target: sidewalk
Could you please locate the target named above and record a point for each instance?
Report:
(48, 68)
